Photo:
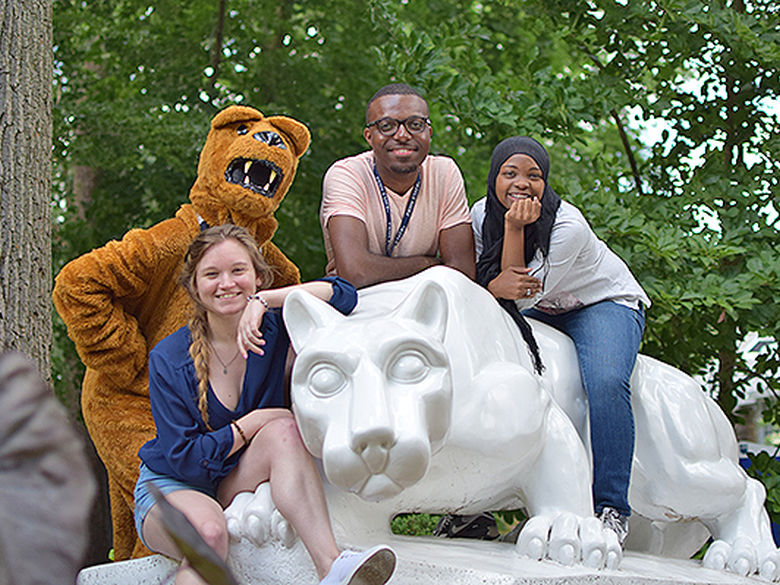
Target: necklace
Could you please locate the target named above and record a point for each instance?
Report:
(219, 359)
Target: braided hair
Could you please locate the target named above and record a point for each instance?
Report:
(536, 234)
(198, 323)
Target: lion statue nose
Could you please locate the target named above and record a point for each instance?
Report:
(373, 447)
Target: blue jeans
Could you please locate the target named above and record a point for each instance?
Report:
(607, 337)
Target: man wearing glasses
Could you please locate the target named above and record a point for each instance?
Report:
(395, 210)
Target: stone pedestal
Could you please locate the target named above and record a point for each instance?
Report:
(427, 561)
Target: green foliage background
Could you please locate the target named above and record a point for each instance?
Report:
(136, 84)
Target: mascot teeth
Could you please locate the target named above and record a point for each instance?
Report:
(261, 176)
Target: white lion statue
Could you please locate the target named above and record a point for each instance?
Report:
(425, 400)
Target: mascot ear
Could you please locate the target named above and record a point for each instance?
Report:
(427, 305)
(304, 314)
(295, 132)
(233, 114)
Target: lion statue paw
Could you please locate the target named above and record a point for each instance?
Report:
(569, 540)
(253, 516)
(744, 558)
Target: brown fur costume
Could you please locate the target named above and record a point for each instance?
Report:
(118, 301)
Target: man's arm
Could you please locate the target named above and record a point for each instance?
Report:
(355, 263)
(456, 245)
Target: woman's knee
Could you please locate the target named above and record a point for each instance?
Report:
(214, 532)
(609, 383)
(290, 435)
(284, 429)
(279, 436)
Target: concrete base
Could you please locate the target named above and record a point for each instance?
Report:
(426, 561)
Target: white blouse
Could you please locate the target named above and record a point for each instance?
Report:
(579, 270)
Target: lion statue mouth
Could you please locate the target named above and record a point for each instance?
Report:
(379, 487)
(260, 176)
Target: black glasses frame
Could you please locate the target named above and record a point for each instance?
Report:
(398, 123)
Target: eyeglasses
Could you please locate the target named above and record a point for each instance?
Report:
(389, 126)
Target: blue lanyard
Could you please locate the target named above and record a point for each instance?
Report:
(407, 213)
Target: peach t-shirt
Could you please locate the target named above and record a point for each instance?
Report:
(350, 188)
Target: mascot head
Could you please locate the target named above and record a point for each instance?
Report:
(247, 166)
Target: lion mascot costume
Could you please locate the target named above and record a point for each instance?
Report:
(118, 301)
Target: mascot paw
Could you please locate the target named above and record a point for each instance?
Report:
(570, 540)
(254, 517)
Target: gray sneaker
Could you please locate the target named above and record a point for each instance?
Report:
(479, 526)
(616, 522)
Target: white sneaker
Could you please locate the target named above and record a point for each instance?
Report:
(371, 567)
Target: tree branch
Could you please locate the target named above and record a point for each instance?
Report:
(620, 127)
(629, 152)
(216, 53)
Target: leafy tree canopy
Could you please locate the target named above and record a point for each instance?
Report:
(136, 84)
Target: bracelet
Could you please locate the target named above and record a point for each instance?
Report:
(257, 297)
(240, 432)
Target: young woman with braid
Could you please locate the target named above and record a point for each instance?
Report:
(540, 259)
(216, 389)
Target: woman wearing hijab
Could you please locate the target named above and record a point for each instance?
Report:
(539, 257)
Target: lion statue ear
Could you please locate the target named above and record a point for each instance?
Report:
(427, 305)
(295, 132)
(304, 314)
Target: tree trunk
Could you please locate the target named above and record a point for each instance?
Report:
(726, 369)
(25, 179)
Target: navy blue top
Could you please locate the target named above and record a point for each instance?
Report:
(184, 448)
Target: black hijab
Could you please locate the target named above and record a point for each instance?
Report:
(537, 234)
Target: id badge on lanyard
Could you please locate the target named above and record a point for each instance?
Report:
(390, 245)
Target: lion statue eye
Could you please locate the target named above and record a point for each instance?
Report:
(409, 367)
(326, 380)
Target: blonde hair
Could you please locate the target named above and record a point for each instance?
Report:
(198, 324)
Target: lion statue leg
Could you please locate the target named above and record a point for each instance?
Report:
(686, 467)
(551, 468)
(558, 497)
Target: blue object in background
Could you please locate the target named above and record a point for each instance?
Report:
(745, 462)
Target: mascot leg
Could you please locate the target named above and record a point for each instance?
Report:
(126, 543)
(119, 423)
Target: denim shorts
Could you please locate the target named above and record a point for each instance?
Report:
(144, 501)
